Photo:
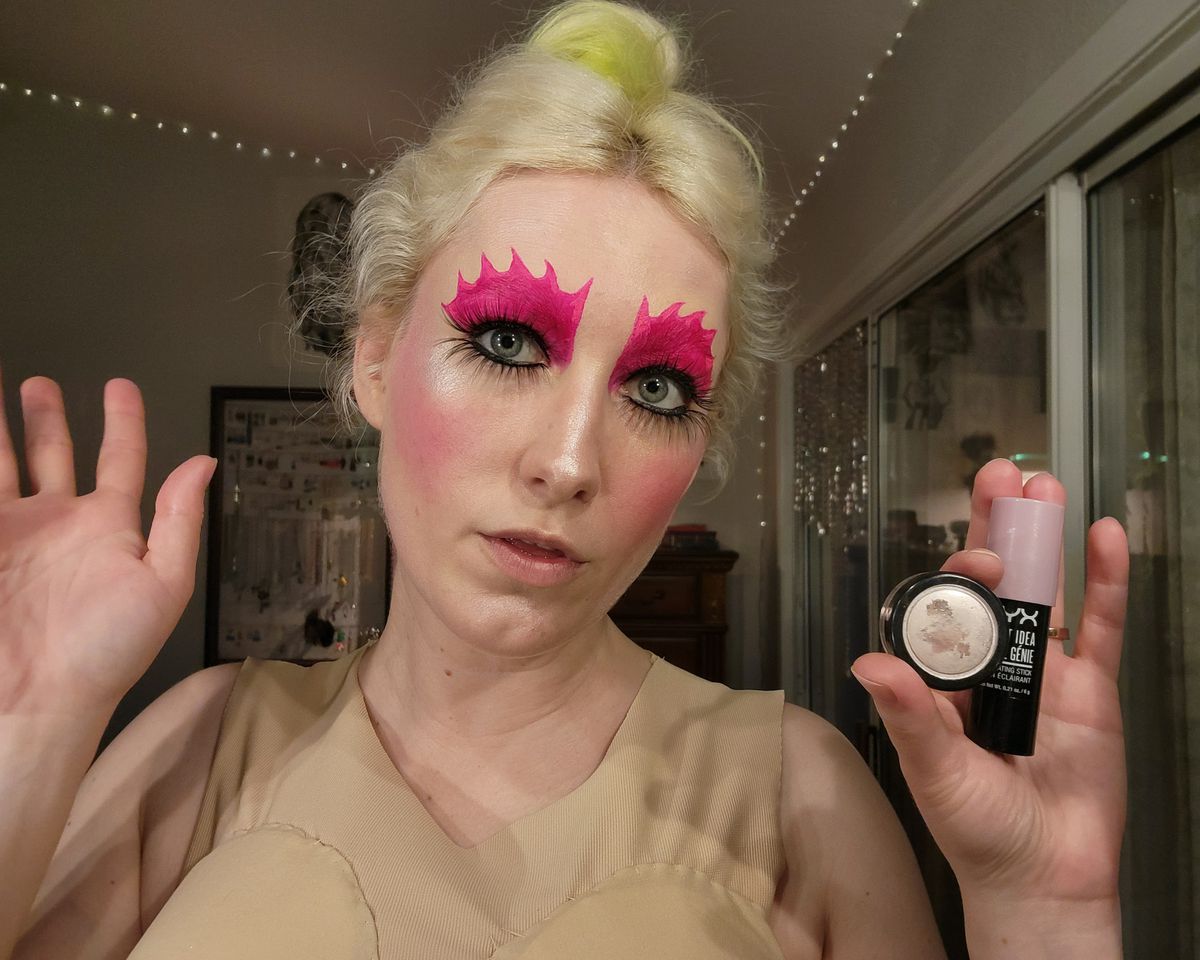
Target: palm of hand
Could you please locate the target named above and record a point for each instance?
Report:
(1051, 822)
(87, 602)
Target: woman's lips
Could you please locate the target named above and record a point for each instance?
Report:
(531, 563)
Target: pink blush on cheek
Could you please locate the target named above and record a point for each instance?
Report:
(427, 436)
(517, 295)
(669, 339)
(651, 496)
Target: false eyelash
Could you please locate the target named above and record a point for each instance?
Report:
(487, 363)
(689, 422)
(476, 318)
(473, 324)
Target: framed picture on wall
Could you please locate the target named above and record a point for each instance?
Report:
(298, 554)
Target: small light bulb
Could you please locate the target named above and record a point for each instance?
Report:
(810, 183)
(762, 523)
(854, 112)
(183, 129)
(238, 145)
(133, 116)
(159, 125)
(862, 98)
(870, 76)
(371, 172)
(266, 151)
(213, 135)
(54, 98)
(3, 87)
(889, 51)
(317, 161)
(803, 193)
(899, 35)
(821, 158)
(834, 144)
(843, 126)
(106, 110)
(28, 92)
(796, 202)
(78, 103)
(344, 164)
(818, 173)
(291, 154)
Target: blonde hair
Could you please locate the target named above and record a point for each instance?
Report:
(596, 87)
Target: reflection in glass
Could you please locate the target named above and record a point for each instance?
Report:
(1146, 343)
(830, 500)
(962, 380)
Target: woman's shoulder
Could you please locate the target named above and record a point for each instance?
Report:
(819, 764)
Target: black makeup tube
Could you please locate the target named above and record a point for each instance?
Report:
(1027, 535)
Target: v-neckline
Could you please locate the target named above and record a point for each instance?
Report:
(381, 759)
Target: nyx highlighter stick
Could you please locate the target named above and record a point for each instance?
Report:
(1027, 535)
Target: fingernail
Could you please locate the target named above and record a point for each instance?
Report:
(984, 552)
(879, 693)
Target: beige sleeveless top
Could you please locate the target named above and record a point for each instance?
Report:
(310, 844)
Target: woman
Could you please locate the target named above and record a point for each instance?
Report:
(559, 303)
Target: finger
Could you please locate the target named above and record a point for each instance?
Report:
(174, 539)
(49, 453)
(1102, 623)
(10, 482)
(978, 564)
(997, 478)
(918, 722)
(1045, 486)
(121, 466)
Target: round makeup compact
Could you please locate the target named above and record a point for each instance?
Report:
(948, 627)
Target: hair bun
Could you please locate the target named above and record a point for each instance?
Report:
(629, 47)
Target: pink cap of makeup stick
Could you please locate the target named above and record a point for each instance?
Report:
(1027, 536)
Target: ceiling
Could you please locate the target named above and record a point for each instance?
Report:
(351, 77)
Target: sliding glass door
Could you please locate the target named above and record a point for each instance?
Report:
(1145, 243)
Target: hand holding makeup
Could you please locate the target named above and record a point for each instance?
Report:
(1034, 839)
(86, 600)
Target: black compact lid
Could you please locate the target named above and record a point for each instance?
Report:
(956, 629)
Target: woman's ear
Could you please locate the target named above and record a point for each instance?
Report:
(370, 352)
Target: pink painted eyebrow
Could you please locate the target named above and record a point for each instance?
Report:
(517, 295)
(670, 340)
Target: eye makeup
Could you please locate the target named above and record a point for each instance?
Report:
(514, 299)
(667, 342)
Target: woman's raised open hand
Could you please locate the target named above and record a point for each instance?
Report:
(87, 601)
(1034, 841)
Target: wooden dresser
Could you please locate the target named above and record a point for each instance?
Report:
(676, 609)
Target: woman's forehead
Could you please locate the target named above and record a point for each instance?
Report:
(611, 231)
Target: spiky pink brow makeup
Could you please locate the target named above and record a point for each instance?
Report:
(667, 339)
(517, 295)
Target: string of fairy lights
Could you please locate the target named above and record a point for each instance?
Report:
(825, 157)
(242, 145)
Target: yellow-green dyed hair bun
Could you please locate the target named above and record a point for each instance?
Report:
(621, 43)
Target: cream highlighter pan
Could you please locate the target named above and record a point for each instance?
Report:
(516, 295)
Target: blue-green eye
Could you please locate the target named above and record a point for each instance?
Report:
(509, 344)
(658, 391)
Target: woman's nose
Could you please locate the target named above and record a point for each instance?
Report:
(562, 458)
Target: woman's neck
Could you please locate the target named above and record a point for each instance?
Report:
(422, 681)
